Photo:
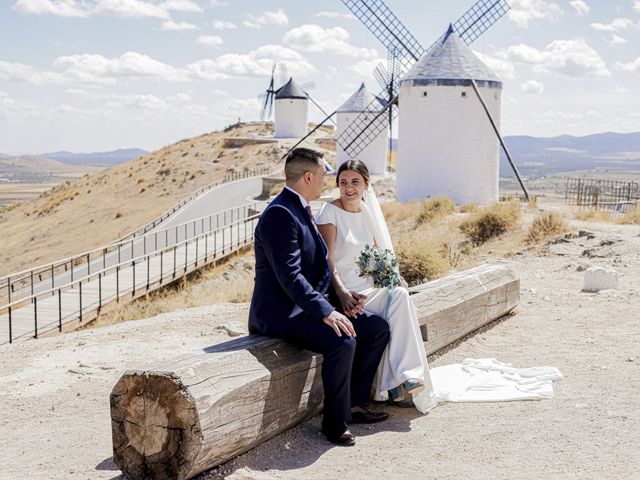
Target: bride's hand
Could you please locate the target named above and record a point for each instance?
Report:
(352, 303)
(403, 282)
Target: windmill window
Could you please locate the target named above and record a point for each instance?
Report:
(463, 94)
(424, 94)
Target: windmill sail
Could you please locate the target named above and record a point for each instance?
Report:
(381, 21)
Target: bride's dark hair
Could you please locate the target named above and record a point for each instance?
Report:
(354, 166)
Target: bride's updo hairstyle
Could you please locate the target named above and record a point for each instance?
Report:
(354, 166)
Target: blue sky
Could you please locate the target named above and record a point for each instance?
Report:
(89, 75)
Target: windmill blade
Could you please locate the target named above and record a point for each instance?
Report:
(265, 110)
(382, 22)
(284, 75)
(308, 86)
(473, 23)
(381, 75)
(329, 117)
(269, 107)
(365, 128)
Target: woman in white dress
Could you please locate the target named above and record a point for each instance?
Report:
(346, 226)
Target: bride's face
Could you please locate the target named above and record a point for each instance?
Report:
(352, 186)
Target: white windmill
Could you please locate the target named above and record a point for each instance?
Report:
(291, 111)
(434, 106)
(374, 155)
(445, 144)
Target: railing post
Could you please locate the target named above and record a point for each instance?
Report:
(80, 297)
(133, 287)
(155, 241)
(104, 258)
(175, 248)
(31, 282)
(99, 290)
(186, 249)
(197, 238)
(53, 281)
(148, 270)
(88, 264)
(144, 245)
(59, 310)
(119, 260)
(161, 264)
(10, 326)
(206, 247)
(9, 289)
(72, 262)
(118, 283)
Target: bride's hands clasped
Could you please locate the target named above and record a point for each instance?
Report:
(352, 302)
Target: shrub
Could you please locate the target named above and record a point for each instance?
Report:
(435, 207)
(545, 226)
(593, 215)
(468, 207)
(420, 262)
(491, 222)
(398, 211)
(631, 217)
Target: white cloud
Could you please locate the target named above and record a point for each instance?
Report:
(524, 11)
(257, 63)
(116, 8)
(277, 17)
(633, 66)
(502, 68)
(181, 6)
(615, 25)
(365, 68)
(314, 38)
(615, 40)
(61, 8)
(346, 16)
(171, 25)
(223, 25)
(580, 6)
(532, 86)
(97, 68)
(573, 58)
(210, 40)
(218, 3)
(636, 5)
(137, 101)
(26, 73)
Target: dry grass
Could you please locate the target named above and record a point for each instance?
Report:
(632, 217)
(435, 207)
(468, 208)
(420, 261)
(397, 211)
(545, 226)
(491, 222)
(592, 215)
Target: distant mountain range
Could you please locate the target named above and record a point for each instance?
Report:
(536, 156)
(101, 158)
(34, 169)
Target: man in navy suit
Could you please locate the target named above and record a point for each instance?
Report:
(290, 300)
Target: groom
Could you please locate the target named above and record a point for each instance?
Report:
(290, 302)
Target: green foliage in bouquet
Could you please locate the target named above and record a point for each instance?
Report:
(379, 267)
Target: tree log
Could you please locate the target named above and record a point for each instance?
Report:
(175, 419)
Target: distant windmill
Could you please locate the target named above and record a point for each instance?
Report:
(383, 23)
(268, 97)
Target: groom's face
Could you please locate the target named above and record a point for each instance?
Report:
(316, 185)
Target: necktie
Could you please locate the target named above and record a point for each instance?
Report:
(308, 209)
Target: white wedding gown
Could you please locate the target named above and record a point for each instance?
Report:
(474, 380)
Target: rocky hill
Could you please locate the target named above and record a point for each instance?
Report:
(36, 169)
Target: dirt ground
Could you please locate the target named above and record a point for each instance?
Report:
(54, 392)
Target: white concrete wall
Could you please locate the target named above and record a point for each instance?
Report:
(447, 145)
(375, 154)
(291, 117)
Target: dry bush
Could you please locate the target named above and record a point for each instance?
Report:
(468, 207)
(56, 200)
(593, 215)
(491, 222)
(435, 207)
(420, 262)
(632, 217)
(545, 226)
(399, 211)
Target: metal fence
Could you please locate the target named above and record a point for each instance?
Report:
(120, 275)
(613, 195)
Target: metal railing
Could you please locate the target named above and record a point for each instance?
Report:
(21, 285)
(613, 195)
(121, 282)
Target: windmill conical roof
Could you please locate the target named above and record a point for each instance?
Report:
(361, 101)
(290, 90)
(450, 62)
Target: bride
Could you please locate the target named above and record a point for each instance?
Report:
(347, 224)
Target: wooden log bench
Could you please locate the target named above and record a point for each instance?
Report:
(176, 418)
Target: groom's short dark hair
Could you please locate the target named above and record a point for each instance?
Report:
(300, 160)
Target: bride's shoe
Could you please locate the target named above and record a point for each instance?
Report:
(413, 386)
(396, 394)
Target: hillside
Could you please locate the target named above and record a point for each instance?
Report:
(98, 208)
(36, 169)
(98, 158)
(537, 156)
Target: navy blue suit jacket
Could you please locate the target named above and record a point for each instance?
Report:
(292, 269)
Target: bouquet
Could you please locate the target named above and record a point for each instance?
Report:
(379, 267)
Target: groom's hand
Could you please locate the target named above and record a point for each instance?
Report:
(340, 324)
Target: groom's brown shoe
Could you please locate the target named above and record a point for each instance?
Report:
(339, 435)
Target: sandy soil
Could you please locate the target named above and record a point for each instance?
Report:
(54, 393)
